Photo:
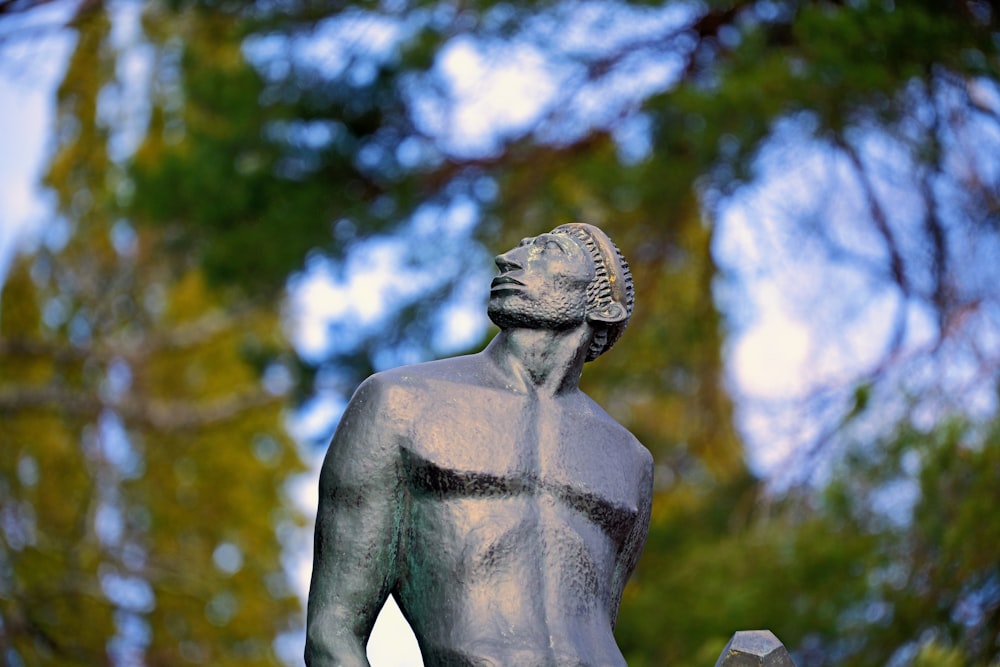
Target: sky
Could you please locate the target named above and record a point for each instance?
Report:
(31, 64)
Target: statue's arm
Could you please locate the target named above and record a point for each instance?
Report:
(628, 557)
(358, 525)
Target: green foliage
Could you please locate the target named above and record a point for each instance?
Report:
(926, 501)
(932, 655)
(184, 173)
(901, 548)
(245, 159)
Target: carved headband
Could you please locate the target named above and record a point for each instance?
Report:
(613, 280)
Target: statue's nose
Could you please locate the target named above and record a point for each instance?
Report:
(506, 263)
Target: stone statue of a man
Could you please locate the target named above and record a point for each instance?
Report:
(501, 507)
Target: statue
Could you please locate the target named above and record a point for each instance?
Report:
(501, 507)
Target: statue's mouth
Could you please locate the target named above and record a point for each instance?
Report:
(504, 281)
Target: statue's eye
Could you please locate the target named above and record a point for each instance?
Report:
(552, 245)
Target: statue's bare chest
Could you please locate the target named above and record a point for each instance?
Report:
(491, 444)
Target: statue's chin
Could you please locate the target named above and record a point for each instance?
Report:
(505, 319)
(507, 315)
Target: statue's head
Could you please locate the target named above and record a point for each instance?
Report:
(558, 280)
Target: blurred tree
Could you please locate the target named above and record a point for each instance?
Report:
(923, 501)
(144, 452)
(342, 125)
(894, 563)
(284, 135)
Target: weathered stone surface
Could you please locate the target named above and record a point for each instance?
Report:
(755, 648)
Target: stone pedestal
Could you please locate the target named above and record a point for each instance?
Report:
(755, 648)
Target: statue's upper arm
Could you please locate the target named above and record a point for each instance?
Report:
(357, 526)
(364, 450)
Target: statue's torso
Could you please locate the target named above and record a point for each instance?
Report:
(517, 507)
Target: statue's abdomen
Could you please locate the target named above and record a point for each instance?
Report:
(501, 564)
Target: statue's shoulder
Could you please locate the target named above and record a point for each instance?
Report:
(466, 369)
(422, 382)
(597, 419)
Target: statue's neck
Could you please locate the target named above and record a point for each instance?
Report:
(540, 360)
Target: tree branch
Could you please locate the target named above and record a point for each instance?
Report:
(167, 416)
(940, 295)
(881, 222)
(181, 337)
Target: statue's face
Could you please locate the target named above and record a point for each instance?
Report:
(542, 284)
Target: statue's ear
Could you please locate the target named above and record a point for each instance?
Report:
(613, 313)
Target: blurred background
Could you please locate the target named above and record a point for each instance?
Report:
(216, 218)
